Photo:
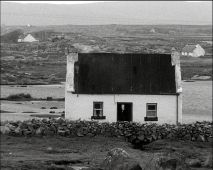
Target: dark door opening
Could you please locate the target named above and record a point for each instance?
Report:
(124, 111)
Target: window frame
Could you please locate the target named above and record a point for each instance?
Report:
(94, 116)
(148, 117)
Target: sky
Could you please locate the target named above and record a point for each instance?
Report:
(106, 12)
(73, 2)
(58, 2)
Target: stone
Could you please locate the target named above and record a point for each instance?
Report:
(209, 161)
(194, 163)
(187, 137)
(83, 168)
(170, 136)
(57, 167)
(31, 129)
(39, 131)
(119, 159)
(23, 125)
(10, 126)
(27, 132)
(90, 134)
(5, 130)
(49, 132)
(18, 131)
(59, 120)
(49, 149)
(61, 132)
(79, 134)
(141, 137)
(201, 138)
(210, 139)
(172, 161)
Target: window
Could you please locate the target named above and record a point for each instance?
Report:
(151, 112)
(98, 110)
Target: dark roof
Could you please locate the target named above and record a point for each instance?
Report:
(25, 35)
(189, 48)
(22, 36)
(112, 73)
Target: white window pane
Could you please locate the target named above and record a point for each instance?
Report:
(151, 114)
(98, 109)
(151, 110)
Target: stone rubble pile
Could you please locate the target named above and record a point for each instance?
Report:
(136, 133)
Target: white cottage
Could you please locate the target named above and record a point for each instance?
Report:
(193, 51)
(123, 87)
(28, 38)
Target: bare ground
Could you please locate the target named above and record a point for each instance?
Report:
(43, 153)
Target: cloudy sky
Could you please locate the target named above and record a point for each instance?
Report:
(72, 2)
(57, 2)
(106, 12)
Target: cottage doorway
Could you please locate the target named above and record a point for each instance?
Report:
(124, 111)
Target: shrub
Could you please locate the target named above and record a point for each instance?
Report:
(11, 37)
(20, 96)
(49, 98)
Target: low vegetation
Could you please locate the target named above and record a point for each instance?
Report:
(11, 37)
(20, 96)
(67, 145)
(45, 62)
(28, 97)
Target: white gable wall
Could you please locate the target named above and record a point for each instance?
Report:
(198, 51)
(81, 106)
(29, 38)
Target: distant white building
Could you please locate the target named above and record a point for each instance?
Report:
(152, 30)
(29, 25)
(28, 38)
(193, 51)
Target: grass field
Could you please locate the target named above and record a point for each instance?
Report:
(45, 62)
(60, 152)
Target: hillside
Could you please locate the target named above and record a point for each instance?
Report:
(45, 62)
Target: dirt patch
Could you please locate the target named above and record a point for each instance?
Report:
(46, 152)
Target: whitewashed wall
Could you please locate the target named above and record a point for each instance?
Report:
(81, 106)
(199, 51)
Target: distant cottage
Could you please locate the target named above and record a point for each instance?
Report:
(152, 30)
(28, 38)
(123, 87)
(193, 51)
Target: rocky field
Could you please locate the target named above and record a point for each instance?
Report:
(60, 144)
(45, 62)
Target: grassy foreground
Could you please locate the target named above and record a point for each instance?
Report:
(62, 144)
(64, 152)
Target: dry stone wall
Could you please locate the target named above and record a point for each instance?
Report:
(135, 133)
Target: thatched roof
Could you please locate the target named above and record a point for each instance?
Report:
(189, 48)
(113, 73)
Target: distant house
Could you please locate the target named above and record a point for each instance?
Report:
(28, 38)
(193, 51)
(57, 37)
(123, 87)
(152, 30)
